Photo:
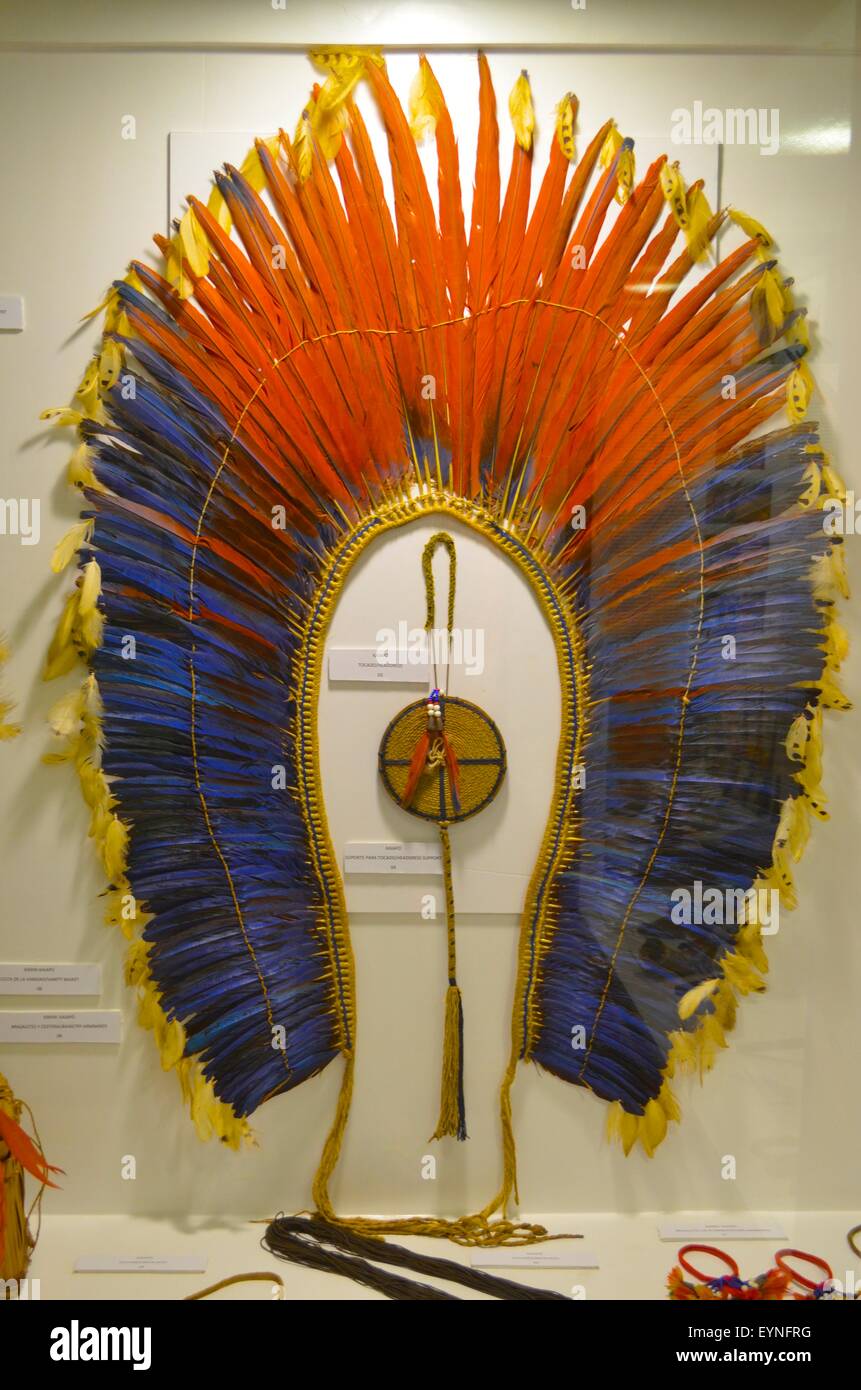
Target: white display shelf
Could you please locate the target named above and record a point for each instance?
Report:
(633, 1261)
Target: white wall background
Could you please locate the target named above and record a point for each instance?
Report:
(78, 203)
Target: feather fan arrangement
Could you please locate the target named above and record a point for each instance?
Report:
(256, 418)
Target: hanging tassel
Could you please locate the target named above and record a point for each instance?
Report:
(452, 1112)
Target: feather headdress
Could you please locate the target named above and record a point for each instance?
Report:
(258, 415)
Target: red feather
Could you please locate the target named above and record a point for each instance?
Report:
(23, 1149)
(417, 767)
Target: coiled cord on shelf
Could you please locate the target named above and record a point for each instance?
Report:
(319, 1244)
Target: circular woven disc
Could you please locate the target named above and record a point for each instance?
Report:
(480, 753)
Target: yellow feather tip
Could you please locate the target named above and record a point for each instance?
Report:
(690, 1002)
(522, 112)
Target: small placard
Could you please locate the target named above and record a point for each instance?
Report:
(11, 313)
(392, 857)
(372, 664)
(552, 1255)
(721, 1230)
(140, 1264)
(46, 977)
(81, 1026)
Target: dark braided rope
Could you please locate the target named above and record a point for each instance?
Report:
(301, 1239)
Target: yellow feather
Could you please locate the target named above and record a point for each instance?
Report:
(234, 1130)
(303, 146)
(171, 1043)
(148, 1006)
(7, 730)
(566, 115)
(673, 188)
(66, 715)
(89, 385)
(91, 779)
(103, 304)
(115, 912)
(62, 653)
(830, 693)
(725, 1005)
(699, 215)
(611, 146)
(749, 944)
(836, 644)
(91, 587)
(669, 1104)
(329, 131)
(91, 629)
(774, 302)
(137, 967)
(62, 416)
(323, 121)
(80, 473)
(614, 1120)
(522, 111)
(799, 389)
(423, 104)
(625, 173)
(185, 1071)
(629, 1128)
(217, 205)
(834, 484)
(837, 556)
(115, 848)
(781, 835)
(251, 169)
(751, 227)
(690, 1002)
(174, 271)
(799, 830)
(194, 243)
(70, 544)
(813, 478)
(201, 1108)
(741, 973)
(777, 877)
(344, 61)
(110, 362)
(653, 1126)
(683, 1052)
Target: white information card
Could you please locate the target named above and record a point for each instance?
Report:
(80, 1026)
(721, 1230)
(47, 977)
(392, 857)
(364, 664)
(553, 1255)
(140, 1264)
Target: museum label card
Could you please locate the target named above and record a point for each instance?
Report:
(140, 1264)
(47, 977)
(80, 1026)
(721, 1230)
(364, 664)
(392, 857)
(554, 1255)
